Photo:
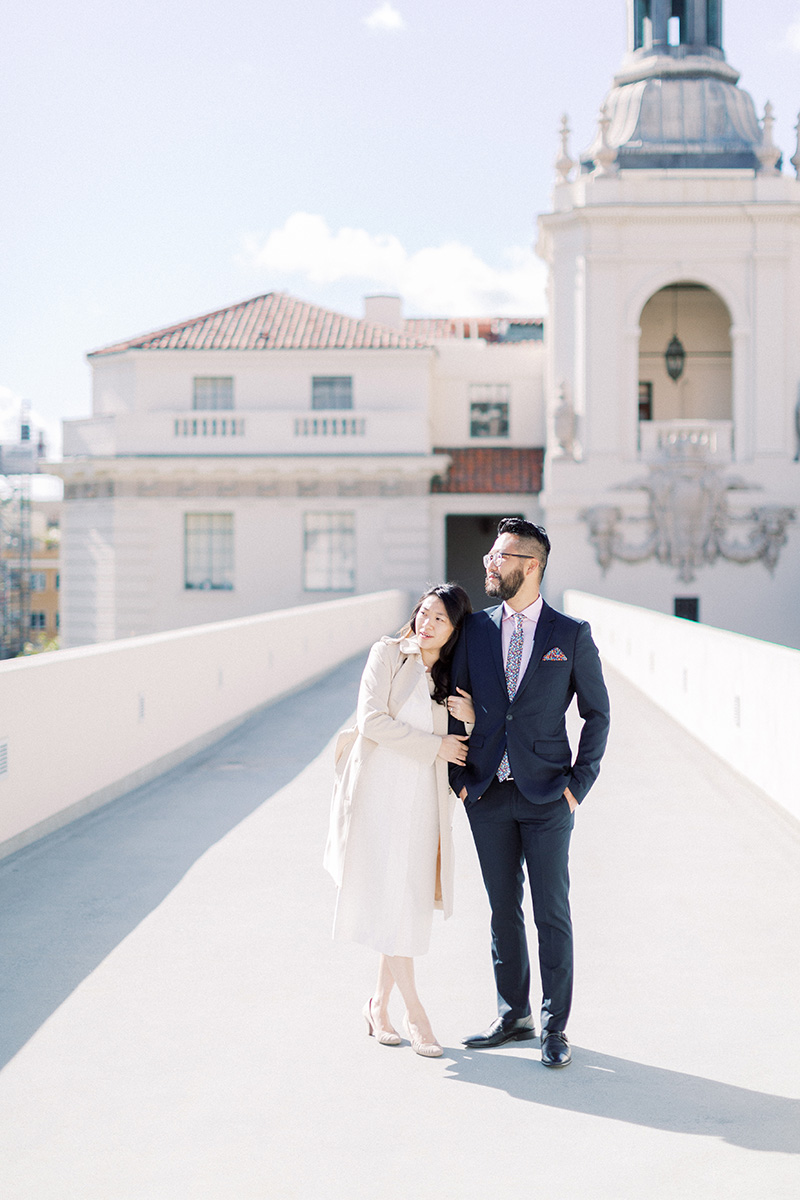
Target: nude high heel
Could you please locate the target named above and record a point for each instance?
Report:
(385, 1038)
(426, 1049)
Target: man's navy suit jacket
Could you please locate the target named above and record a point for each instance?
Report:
(564, 663)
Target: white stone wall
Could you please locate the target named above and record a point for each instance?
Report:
(735, 694)
(115, 715)
(126, 577)
(459, 364)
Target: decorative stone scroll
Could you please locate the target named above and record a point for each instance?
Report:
(688, 524)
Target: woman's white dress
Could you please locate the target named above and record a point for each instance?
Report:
(387, 894)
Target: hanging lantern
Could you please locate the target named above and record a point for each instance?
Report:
(675, 357)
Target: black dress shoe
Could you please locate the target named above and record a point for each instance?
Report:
(555, 1049)
(502, 1030)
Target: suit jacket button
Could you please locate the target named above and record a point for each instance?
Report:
(510, 717)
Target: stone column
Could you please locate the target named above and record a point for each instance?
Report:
(661, 10)
(697, 14)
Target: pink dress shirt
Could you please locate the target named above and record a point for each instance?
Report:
(531, 618)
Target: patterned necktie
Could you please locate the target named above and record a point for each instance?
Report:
(513, 660)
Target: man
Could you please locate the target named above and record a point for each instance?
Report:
(522, 663)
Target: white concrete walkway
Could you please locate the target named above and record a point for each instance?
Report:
(177, 1025)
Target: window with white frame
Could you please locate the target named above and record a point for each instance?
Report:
(332, 391)
(38, 620)
(212, 392)
(208, 551)
(329, 551)
(488, 410)
(38, 581)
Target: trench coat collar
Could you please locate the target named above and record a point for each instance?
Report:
(409, 669)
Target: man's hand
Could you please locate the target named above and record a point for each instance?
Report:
(571, 801)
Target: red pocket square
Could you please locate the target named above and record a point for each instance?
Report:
(555, 655)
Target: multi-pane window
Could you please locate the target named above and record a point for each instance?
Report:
(329, 551)
(38, 620)
(212, 392)
(488, 410)
(645, 401)
(38, 581)
(332, 391)
(208, 551)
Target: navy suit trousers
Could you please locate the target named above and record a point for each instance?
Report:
(510, 831)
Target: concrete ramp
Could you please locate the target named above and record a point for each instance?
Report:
(177, 1024)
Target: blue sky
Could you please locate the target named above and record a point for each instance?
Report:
(160, 160)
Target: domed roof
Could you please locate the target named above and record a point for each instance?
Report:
(678, 105)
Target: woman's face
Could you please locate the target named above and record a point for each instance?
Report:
(432, 626)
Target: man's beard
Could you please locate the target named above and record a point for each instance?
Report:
(502, 588)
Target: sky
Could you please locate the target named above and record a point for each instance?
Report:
(160, 159)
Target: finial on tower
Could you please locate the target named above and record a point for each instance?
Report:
(605, 156)
(795, 159)
(564, 163)
(768, 153)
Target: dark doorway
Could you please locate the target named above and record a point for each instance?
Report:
(467, 539)
(687, 607)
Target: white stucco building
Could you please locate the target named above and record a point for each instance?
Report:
(677, 230)
(274, 453)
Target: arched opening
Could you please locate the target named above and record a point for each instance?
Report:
(693, 385)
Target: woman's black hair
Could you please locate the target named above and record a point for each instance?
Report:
(457, 605)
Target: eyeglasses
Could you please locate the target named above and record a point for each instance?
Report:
(497, 556)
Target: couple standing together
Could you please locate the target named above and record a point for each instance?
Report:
(505, 678)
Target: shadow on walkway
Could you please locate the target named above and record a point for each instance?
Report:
(69, 899)
(621, 1090)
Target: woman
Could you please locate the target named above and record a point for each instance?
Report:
(390, 848)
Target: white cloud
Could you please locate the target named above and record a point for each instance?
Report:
(793, 36)
(386, 19)
(447, 279)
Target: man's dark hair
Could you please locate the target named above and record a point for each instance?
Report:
(530, 533)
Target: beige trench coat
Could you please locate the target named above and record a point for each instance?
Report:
(393, 668)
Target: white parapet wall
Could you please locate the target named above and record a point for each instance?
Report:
(80, 727)
(737, 695)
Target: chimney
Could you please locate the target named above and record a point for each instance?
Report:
(384, 310)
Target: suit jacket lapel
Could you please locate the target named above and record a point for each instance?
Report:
(543, 628)
(495, 637)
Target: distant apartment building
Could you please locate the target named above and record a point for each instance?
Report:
(30, 581)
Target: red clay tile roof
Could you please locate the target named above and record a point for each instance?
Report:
(491, 329)
(278, 321)
(489, 469)
(273, 322)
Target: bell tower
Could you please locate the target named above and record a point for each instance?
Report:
(673, 356)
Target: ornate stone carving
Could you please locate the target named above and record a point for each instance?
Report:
(565, 424)
(688, 523)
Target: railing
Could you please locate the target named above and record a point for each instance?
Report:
(209, 427)
(709, 440)
(253, 431)
(119, 714)
(330, 427)
(736, 694)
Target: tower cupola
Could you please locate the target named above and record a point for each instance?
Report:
(675, 102)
